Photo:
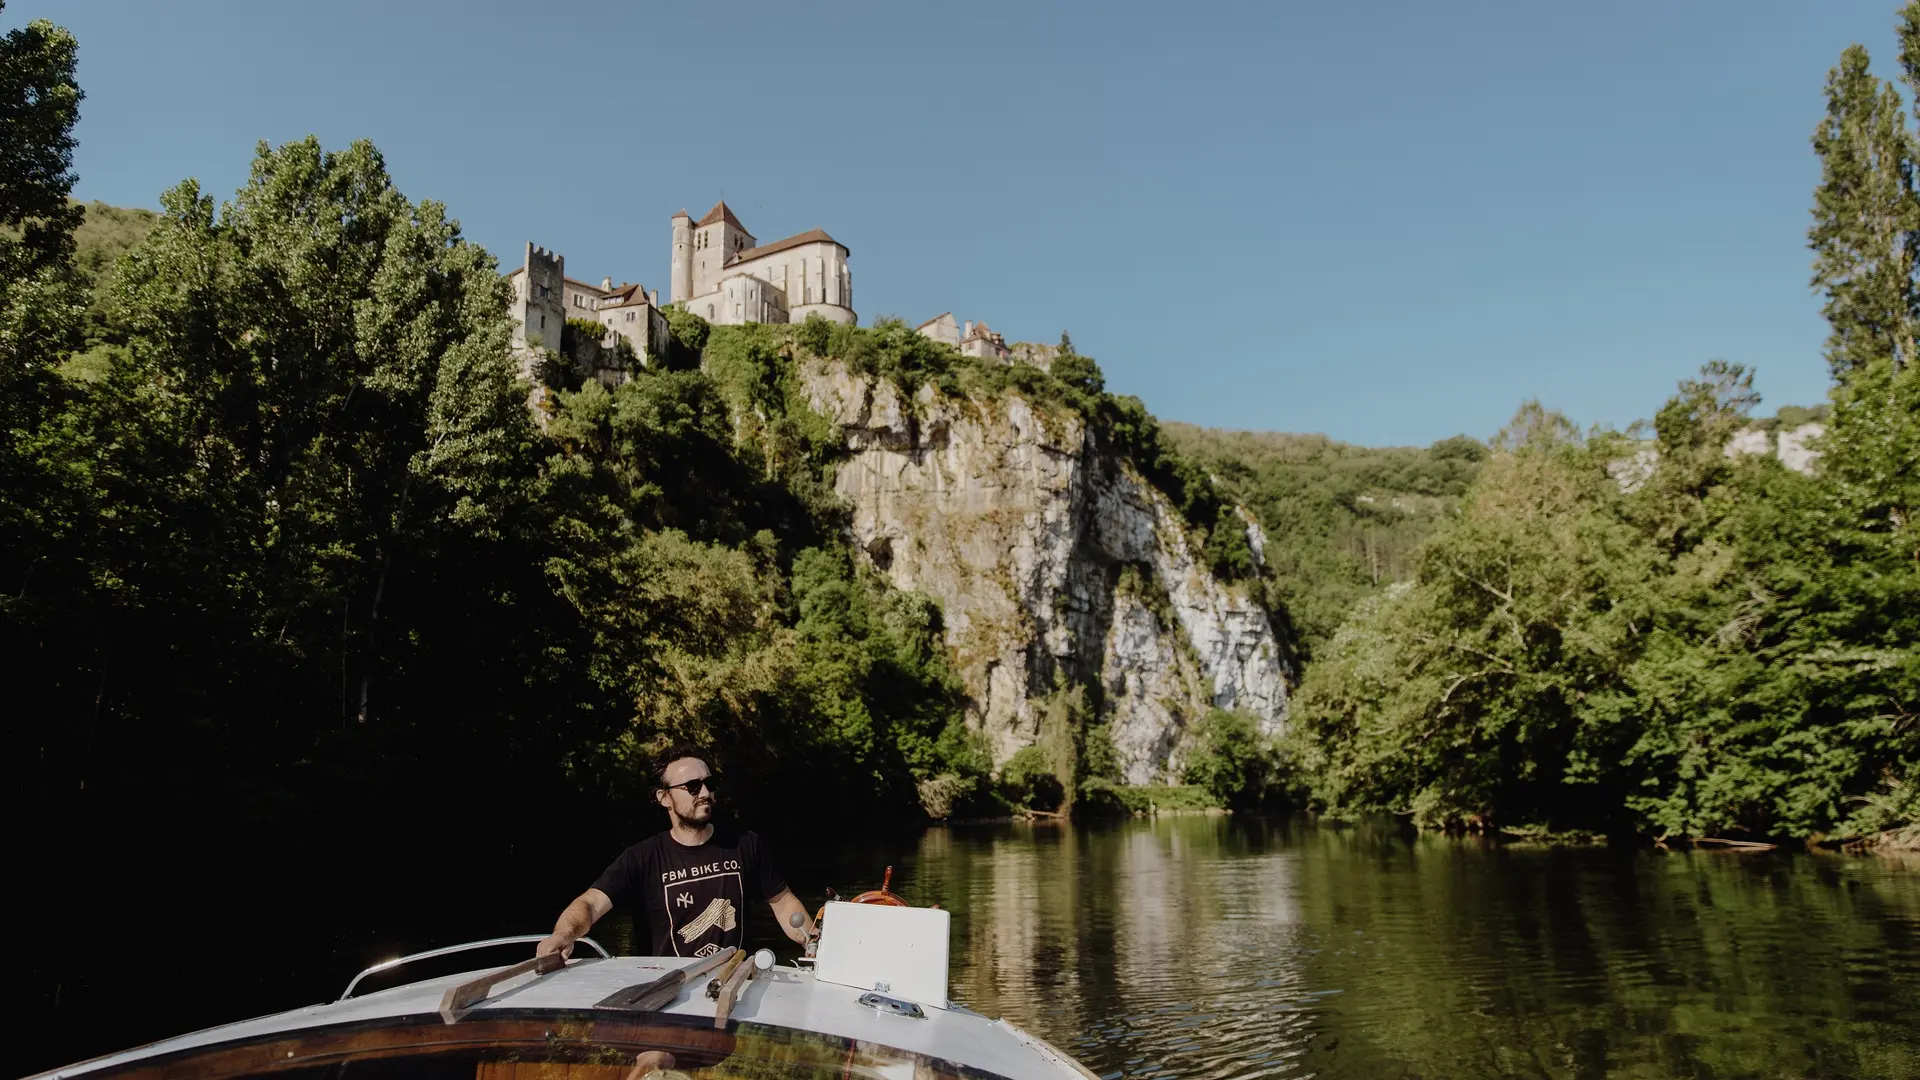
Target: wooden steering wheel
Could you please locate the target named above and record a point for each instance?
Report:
(880, 895)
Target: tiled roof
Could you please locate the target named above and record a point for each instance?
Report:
(625, 296)
(935, 319)
(811, 236)
(720, 212)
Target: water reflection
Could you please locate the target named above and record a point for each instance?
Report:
(1198, 947)
(1207, 947)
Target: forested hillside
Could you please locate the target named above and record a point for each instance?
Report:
(1342, 521)
(1731, 649)
(104, 234)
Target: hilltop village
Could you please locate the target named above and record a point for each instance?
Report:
(721, 273)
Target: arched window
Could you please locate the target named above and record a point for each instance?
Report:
(709, 312)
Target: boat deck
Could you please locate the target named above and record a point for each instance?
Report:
(780, 998)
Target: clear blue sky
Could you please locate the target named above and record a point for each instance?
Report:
(1388, 222)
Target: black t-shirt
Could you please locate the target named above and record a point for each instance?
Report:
(695, 898)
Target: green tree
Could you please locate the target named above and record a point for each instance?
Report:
(1235, 764)
(1863, 236)
(1080, 373)
(304, 466)
(40, 304)
(39, 103)
(1457, 699)
(1028, 780)
(340, 354)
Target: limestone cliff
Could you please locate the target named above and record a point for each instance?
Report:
(1051, 557)
(1794, 446)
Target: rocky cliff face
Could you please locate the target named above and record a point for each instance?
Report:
(1793, 446)
(1053, 560)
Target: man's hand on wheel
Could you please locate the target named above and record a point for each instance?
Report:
(553, 943)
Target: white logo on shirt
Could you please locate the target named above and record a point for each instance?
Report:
(719, 913)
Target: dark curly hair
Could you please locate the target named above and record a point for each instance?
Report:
(674, 753)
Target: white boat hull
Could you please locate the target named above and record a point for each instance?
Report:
(778, 1002)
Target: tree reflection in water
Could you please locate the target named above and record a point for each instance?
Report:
(1209, 948)
(1213, 947)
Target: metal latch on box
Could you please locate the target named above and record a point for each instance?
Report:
(882, 1003)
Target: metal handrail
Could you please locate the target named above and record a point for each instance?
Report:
(449, 950)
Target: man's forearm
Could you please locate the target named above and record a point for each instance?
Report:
(791, 917)
(575, 921)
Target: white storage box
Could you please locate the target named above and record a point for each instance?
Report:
(899, 951)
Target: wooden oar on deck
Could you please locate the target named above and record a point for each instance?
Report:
(656, 995)
(465, 994)
(735, 982)
(723, 973)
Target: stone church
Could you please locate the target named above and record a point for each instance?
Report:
(720, 272)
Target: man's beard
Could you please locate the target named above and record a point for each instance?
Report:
(701, 814)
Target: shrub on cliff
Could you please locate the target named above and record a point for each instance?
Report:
(1028, 780)
(589, 346)
(889, 349)
(1234, 763)
(686, 337)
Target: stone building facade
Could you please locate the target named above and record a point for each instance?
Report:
(544, 298)
(971, 338)
(727, 277)
(719, 272)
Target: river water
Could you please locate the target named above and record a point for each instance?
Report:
(1208, 947)
(1213, 947)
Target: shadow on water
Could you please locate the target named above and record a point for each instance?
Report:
(1178, 947)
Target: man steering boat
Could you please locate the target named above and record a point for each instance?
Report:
(694, 882)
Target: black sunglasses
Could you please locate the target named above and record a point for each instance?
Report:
(695, 786)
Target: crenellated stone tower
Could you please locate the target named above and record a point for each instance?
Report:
(538, 308)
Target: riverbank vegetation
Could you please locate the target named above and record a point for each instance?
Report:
(1727, 648)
